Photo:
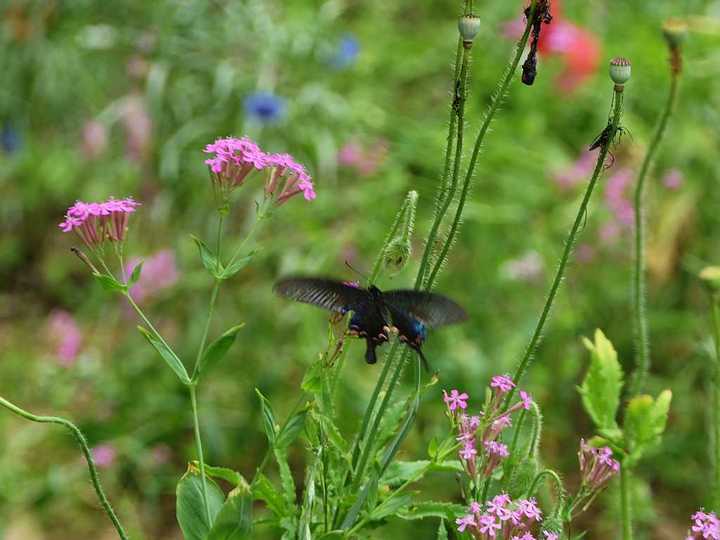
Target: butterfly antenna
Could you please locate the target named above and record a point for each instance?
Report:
(358, 272)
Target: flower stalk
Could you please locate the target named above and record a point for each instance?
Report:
(87, 454)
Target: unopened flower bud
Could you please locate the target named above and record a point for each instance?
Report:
(675, 32)
(397, 254)
(620, 70)
(469, 26)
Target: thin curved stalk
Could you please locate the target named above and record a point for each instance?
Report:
(87, 454)
(642, 342)
(569, 243)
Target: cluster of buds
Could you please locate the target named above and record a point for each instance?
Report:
(705, 526)
(597, 466)
(502, 517)
(99, 223)
(481, 451)
(234, 160)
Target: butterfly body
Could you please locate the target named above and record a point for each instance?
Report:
(376, 314)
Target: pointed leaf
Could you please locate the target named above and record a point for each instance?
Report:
(237, 265)
(442, 531)
(602, 385)
(399, 472)
(109, 283)
(167, 354)
(135, 275)
(645, 420)
(290, 431)
(286, 479)
(426, 509)
(223, 473)
(269, 423)
(190, 507)
(209, 260)
(234, 521)
(263, 490)
(217, 350)
(390, 507)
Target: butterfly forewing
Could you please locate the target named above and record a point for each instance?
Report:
(431, 309)
(325, 293)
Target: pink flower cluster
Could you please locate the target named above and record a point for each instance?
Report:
(485, 428)
(234, 159)
(159, 272)
(597, 466)
(365, 160)
(503, 518)
(97, 222)
(705, 525)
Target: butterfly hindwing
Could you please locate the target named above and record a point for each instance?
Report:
(431, 309)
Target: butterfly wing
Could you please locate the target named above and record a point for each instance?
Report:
(431, 309)
(325, 293)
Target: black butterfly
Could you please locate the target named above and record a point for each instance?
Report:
(376, 313)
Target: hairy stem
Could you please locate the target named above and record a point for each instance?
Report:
(642, 342)
(496, 100)
(87, 454)
(569, 243)
(625, 503)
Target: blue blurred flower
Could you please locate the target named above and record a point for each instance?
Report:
(347, 52)
(10, 140)
(265, 106)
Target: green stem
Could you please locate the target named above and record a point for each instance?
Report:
(80, 438)
(625, 503)
(542, 474)
(198, 443)
(642, 343)
(495, 102)
(716, 399)
(459, 109)
(569, 243)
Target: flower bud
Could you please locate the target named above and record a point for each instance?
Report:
(675, 32)
(469, 26)
(620, 70)
(397, 253)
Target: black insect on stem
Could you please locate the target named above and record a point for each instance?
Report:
(541, 15)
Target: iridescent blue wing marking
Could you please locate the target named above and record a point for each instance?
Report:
(325, 293)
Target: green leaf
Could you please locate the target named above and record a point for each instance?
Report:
(269, 423)
(426, 509)
(290, 431)
(331, 432)
(237, 265)
(645, 421)
(399, 472)
(223, 473)
(286, 478)
(135, 274)
(190, 508)
(312, 381)
(217, 350)
(602, 385)
(167, 354)
(442, 531)
(263, 490)
(109, 283)
(390, 507)
(209, 260)
(234, 521)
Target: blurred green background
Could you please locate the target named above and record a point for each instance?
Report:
(119, 98)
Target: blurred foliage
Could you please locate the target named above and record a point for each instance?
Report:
(119, 98)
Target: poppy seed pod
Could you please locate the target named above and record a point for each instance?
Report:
(469, 26)
(620, 70)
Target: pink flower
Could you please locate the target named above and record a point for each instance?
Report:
(465, 521)
(96, 223)
(496, 449)
(488, 525)
(233, 160)
(673, 179)
(361, 158)
(104, 455)
(502, 383)
(158, 272)
(66, 334)
(468, 451)
(617, 200)
(136, 120)
(705, 526)
(295, 177)
(526, 399)
(550, 535)
(530, 509)
(94, 139)
(597, 466)
(455, 400)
